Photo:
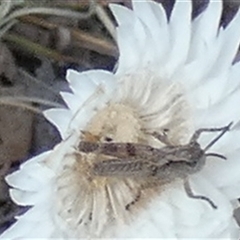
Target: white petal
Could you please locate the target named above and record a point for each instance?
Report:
(224, 173)
(134, 42)
(36, 213)
(25, 198)
(219, 114)
(203, 37)
(210, 92)
(30, 178)
(26, 227)
(230, 43)
(32, 174)
(16, 231)
(60, 118)
(26, 183)
(232, 191)
(103, 78)
(196, 71)
(123, 15)
(205, 45)
(233, 80)
(80, 83)
(154, 16)
(39, 218)
(180, 32)
(230, 140)
(72, 101)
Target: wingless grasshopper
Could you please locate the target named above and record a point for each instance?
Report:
(163, 165)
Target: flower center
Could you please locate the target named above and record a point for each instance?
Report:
(117, 122)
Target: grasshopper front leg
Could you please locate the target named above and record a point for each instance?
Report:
(190, 194)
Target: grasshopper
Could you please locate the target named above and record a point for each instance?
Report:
(162, 165)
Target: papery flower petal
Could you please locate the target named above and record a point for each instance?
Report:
(220, 113)
(128, 44)
(26, 198)
(233, 82)
(104, 81)
(71, 100)
(203, 38)
(83, 88)
(33, 224)
(32, 175)
(60, 118)
(180, 34)
(154, 17)
(231, 45)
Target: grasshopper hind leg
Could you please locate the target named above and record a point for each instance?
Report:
(190, 194)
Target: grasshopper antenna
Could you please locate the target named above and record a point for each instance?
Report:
(224, 130)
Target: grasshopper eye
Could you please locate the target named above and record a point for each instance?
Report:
(108, 139)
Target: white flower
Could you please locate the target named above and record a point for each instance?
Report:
(177, 74)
